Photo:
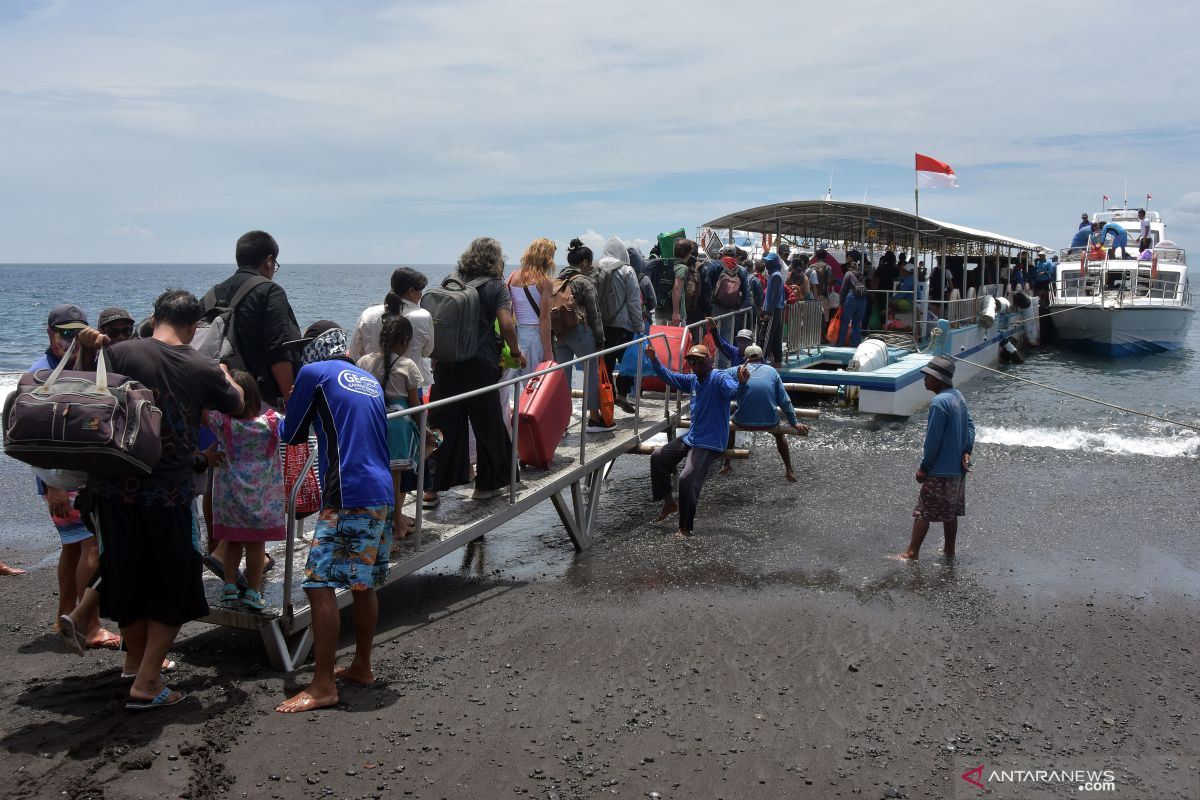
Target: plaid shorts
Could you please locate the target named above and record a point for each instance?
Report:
(942, 499)
(350, 549)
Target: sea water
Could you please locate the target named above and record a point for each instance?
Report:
(1026, 419)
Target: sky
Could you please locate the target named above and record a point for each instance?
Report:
(394, 132)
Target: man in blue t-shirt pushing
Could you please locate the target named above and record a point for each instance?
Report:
(354, 531)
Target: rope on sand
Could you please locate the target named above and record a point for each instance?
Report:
(1146, 414)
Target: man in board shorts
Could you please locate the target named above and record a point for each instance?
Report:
(354, 531)
(949, 440)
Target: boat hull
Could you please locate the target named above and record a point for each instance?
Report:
(1120, 332)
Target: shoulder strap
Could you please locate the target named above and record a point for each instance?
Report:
(248, 285)
(529, 296)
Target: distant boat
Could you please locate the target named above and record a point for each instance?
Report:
(1123, 306)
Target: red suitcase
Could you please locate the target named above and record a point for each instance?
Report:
(668, 352)
(544, 413)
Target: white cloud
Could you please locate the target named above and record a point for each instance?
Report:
(354, 125)
(131, 232)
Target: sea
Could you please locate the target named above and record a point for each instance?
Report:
(1029, 423)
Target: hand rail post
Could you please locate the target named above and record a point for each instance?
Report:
(513, 432)
(419, 528)
(637, 392)
(289, 556)
(583, 415)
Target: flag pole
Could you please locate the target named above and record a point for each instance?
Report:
(916, 215)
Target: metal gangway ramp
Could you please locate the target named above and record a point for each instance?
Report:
(573, 484)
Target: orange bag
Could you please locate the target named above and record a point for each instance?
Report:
(835, 325)
(606, 393)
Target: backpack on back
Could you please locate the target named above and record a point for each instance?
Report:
(662, 272)
(457, 320)
(216, 333)
(693, 286)
(728, 291)
(565, 313)
(607, 284)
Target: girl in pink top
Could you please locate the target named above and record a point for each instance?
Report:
(248, 509)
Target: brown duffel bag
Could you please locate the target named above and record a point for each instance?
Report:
(96, 422)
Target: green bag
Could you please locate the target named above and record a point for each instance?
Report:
(507, 361)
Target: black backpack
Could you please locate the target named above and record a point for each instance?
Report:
(457, 318)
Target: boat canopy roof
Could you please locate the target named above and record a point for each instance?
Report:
(834, 221)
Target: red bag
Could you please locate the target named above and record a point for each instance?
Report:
(544, 413)
(606, 393)
(668, 352)
(835, 325)
(308, 501)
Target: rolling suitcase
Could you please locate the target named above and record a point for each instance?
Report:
(668, 352)
(544, 413)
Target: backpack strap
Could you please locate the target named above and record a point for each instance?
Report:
(248, 285)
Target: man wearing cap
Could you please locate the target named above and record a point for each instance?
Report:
(711, 392)
(354, 530)
(264, 320)
(949, 440)
(732, 352)
(771, 316)
(116, 323)
(759, 405)
(79, 557)
(726, 274)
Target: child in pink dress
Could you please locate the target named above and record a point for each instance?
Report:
(248, 508)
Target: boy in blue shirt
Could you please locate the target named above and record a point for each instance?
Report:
(949, 440)
(354, 531)
(711, 392)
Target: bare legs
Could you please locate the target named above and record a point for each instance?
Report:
(920, 529)
(77, 566)
(256, 564)
(780, 444)
(148, 642)
(326, 625)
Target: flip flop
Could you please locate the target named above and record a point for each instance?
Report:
(71, 636)
(167, 666)
(270, 564)
(110, 641)
(430, 504)
(160, 701)
(215, 566)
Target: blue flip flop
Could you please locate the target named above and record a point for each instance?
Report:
(159, 701)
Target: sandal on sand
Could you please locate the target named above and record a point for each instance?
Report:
(167, 666)
(106, 641)
(230, 593)
(253, 600)
(429, 503)
(71, 636)
(161, 700)
(270, 564)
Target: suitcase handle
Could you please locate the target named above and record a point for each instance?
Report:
(101, 370)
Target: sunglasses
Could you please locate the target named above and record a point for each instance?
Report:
(122, 332)
(68, 333)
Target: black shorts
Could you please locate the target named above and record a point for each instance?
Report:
(150, 563)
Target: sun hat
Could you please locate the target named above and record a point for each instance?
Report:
(312, 332)
(940, 368)
(753, 351)
(112, 315)
(744, 333)
(322, 341)
(698, 351)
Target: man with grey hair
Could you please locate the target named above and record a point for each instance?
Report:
(945, 461)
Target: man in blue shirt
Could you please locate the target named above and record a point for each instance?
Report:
(771, 317)
(354, 532)
(759, 405)
(949, 440)
(711, 392)
(733, 352)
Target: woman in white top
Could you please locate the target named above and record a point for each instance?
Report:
(527, 286)
(404, 298)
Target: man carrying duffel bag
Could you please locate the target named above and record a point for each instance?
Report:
(149, 564)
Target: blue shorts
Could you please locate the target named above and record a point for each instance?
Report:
(71, 529)
(350, 549)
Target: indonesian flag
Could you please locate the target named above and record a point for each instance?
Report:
(1106, 198)
(934, 174)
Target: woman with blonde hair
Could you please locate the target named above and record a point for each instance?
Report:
(528, 286)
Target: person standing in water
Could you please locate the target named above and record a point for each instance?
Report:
(949, 440)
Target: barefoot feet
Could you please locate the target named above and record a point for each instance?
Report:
(669, 508)
(306, 702)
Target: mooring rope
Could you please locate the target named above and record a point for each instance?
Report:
(1105, 403)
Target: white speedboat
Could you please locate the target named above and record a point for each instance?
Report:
(1123, 306)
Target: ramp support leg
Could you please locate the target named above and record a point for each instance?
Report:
(282, 656)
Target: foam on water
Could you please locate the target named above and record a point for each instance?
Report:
(8, 382)
(1183, 445)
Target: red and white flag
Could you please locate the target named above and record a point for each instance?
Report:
(1106, 198)
(1147, 198)
(934, 174)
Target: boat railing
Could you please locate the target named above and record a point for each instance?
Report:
(1123, 281)
(517, 385)
(803, 327)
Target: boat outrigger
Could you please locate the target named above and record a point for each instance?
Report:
(883, 375)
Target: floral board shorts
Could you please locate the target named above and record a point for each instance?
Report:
(942, 499)
(350, 549)
(71, 528)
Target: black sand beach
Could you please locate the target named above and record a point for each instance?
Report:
(777, 654)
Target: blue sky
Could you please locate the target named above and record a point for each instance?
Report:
(397, 131)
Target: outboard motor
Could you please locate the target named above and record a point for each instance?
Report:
(1002, 305)
(1009, 352)
(1021, 301)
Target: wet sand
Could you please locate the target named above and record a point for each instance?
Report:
(777, 654)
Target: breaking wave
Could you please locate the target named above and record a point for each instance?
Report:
(1182, 445)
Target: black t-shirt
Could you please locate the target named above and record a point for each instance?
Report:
(184, 384)
(264, 322)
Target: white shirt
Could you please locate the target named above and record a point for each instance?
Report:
(1144, 229)
(366, 336)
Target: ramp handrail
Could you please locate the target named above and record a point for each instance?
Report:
(516, 383)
